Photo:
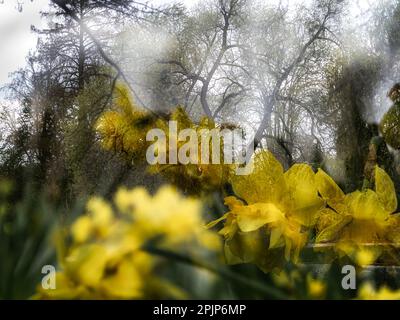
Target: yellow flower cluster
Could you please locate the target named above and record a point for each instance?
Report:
(368, 292)
(275, 220)
(106, 257)
(361, 224)
(123, 130)
(275, 212)
(316, 287)
(195, 176)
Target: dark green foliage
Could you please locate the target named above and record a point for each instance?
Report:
(390, 126)
(25, 241)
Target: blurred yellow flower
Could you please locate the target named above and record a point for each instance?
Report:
(197, 176)
(364, 257)
(358, 224)
(282, 279)
(287, 280)
(274, 222)
(97, 223)
(316, 288)
(169, 214)
(368, 292)
(107, 258)
(123, 129)
(82, 229)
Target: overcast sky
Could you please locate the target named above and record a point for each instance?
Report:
(17, 39)
(15, 35)
(15, 32)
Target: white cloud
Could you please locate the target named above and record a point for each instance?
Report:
(16, 38)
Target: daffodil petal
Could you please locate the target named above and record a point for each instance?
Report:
(275, 240)
(329, 190)
(253, 217)
(264, 184)
(366, 205)
(233, 202)
(215, 222)
(331, 232)
(303, 200)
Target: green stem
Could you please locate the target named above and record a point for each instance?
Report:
(366, 184)
(268, 291)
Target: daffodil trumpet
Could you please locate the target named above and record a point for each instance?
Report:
(362, 224)
(272, 222)
(274, 215)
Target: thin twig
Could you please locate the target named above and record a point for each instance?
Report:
(62, 4)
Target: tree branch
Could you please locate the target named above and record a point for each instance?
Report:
(63, 5)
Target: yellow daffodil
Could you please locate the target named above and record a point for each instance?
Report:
(368, 292)
(316, 288)
(169, 214)
(107, 259)
(274, 221)
(66, 289)
(287, 280)
(197, 176)
(123, 129)
(97, 222)
(358, 224)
